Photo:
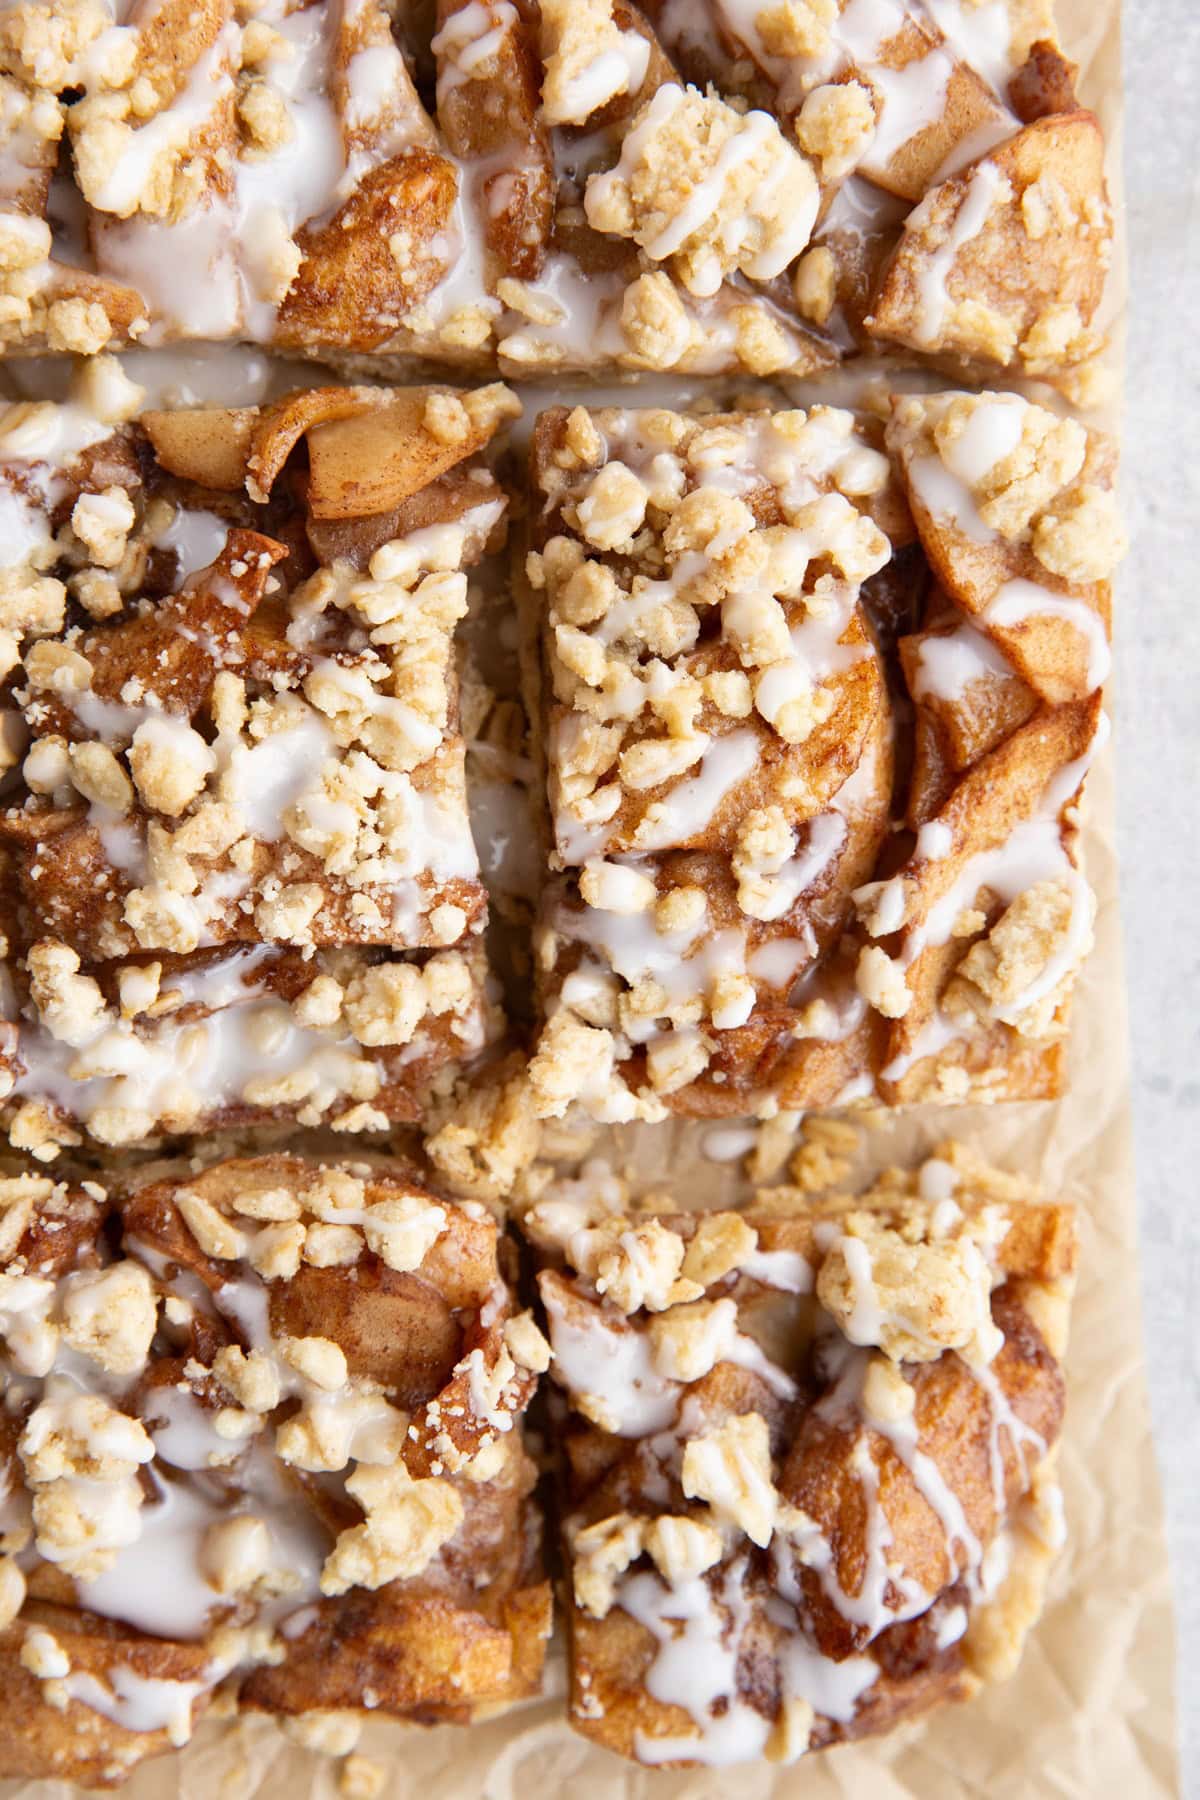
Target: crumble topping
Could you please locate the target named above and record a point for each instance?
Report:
(1021, 969)
(835, 126)
(730, 1468)
(719, 1245)
(708, 188)
(1080, 536)
(588, 60)
(407, 1522)
(665, 737)
(912, 1298)
(1015, 488)
(109, 1407)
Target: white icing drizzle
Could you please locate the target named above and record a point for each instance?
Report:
(207, 87)
(980, 32)
(245, 1041)
(729, 1143)
(1019, 602)
(139, 1702)
(1033, 852)
(614, 1364)
(911, 98)
(945, 497)
(950, 664)
(992, 432)
(692, 804)
(698, 1631)
(216, 272)
(983, 188)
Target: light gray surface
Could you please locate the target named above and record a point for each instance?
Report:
(1158, 760)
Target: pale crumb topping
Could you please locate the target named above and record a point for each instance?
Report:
(407, 1522)
(1080, 537)
(792, 1732)
(47, 46)
(80, 327)
(825, 1155)
(489, 1136)
(815, 284)
(639, 1265)
(250, 1376)
(214, 1233)
(169, 766)
(17, 1202)
(773, 1140)
(446, 418)
(43, 1655)
(612, 510)
(574, 1060)
(326, 1733)
(763, 346)
(1017, 487)
(12, 1590)
(361, 1779)
(526, 1344)
(835, 127)
(587, 60)
(403, 1230)
(70, 1004)
(796, 27)
(322, 1437)
(1059, 337)
(264, 114)
(104, 390)
(236, 1553)
(102, 523)
(881, 981)
(681, 1547)
(910, 1297)
(886, 1397)
(316, 1359)
(655, 322)
(1021, 970)
(378, 799)
(24, 242)
(690, 1339)
(81, 1456)
(110, 1316)
(708, 188)
(100, 778)
(730, 1469)
(720, 1244)
(640, 757)
(600, 1554)
(614, 888)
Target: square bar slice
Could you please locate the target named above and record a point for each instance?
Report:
(777, 878)
(264, 1434)
(231, 696)
(807, 1454)
(717, 738)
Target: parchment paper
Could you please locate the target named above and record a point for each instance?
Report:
(1090, 1711)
